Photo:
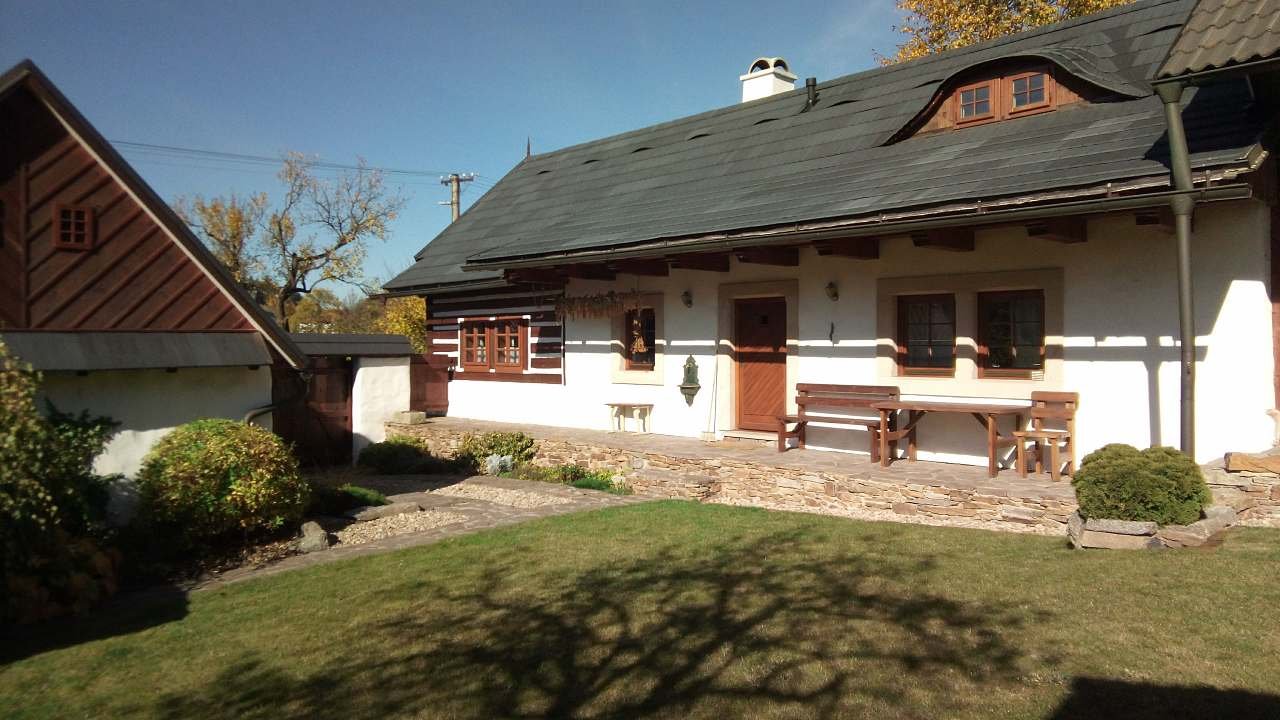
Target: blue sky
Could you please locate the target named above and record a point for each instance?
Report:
(428, 86)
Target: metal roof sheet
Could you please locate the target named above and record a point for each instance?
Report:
(728, 170)
(81, 351)
(1221, 33)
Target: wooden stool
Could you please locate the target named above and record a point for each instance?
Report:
(1050, 406)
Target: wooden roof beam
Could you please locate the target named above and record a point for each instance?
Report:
(769, 255)
(1156, 218)
(862, 248)
(958, 239)
(710, 262)
(534, 275)
(654, 268)
(1071, 229)
(589, 272)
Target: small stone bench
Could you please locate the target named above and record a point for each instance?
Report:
(618, 416)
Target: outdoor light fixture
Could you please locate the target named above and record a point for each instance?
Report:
(833, 292)
(686, 297)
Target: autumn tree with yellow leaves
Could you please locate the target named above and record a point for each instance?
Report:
(933, 26)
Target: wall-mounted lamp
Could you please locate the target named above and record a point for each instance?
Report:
(833, 292)
(686, 297)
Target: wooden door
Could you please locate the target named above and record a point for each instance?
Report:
(760, 336)
(429, 384)
(316, 417)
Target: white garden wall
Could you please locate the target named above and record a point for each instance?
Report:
(1118, 319)
(150, 403)
(379, 391)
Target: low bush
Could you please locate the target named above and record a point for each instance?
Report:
(476, 449)
(52, 504)
(575, 475)
(329, 500)
(214, 477)
(1159, 484)
(408, 456)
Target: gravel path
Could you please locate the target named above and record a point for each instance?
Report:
(397, 525)
(502, 496)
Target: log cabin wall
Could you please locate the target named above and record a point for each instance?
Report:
(130, 276)
(446, 313)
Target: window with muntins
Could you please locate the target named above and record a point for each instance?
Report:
(497, 345)
(1011, 333)
(73, 227)
(975, 102)
(927, 334)
(1028, 91)
(639, 338)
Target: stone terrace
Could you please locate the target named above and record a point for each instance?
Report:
(749, 473)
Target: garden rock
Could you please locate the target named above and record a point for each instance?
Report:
(1121, 527)
(314, 538)
(1114, 541)
(410, 417)
(376, 512)
(1193, 535)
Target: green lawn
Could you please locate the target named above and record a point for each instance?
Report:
(692, 611)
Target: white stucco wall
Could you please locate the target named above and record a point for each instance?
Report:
(1119, 320)
(379, 391)
(150, 403)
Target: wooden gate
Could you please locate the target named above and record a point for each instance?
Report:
(429, 384)
(316, 416)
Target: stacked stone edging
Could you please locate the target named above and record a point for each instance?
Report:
(746, 482)
(1254, 495)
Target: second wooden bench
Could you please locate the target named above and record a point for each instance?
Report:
(841, 398)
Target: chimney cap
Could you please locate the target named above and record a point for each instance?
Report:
(765, 64)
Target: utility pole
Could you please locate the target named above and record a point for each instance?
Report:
(454, 181)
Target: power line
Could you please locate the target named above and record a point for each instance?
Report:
(173, 150)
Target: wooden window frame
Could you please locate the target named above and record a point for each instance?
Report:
(901, 339)
(1042, 106)
(627, 363)
(984, 354)
(90, 229)
(993, 103)
(488, 330)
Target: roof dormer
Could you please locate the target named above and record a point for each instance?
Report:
(1008, 88)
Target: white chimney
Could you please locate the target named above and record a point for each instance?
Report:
(765, 77)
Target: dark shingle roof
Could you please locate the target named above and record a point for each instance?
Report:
(766, 163)
(136, 350)
(353, 344)
(1220, 33)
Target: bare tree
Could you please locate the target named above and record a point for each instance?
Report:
(229, 226)
(320, 230)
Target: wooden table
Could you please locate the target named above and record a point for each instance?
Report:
(987, 415)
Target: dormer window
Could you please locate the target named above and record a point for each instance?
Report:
(1028, 91)
(1003, 97)
(975, 102)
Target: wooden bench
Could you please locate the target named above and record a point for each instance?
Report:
(842, 397)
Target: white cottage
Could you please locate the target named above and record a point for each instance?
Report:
(971, 227)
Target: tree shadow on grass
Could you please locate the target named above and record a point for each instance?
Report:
(1120, 700)
(124, 614)
(737, 628)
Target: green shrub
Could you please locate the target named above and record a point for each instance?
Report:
(475, 449)
(329, 500)
(213, 477)
(408, 456)
(575, 475)
(52, 504)
(1159, 484)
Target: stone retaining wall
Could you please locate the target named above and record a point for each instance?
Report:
(748, 482)
(1255, 496)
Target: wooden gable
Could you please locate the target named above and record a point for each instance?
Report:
(130, 275)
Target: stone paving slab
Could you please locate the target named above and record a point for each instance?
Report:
(480, 515)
